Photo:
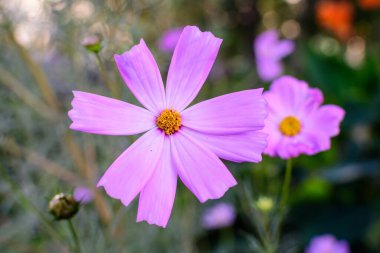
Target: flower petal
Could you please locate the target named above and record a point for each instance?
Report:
(264, 42)
(169, 39)
(326, 119)
(309, 144)
(283, 48)
(269, 69)
(290, 96)
(228, 114)
(199, 168)
(142, 76)
(244, 147)
(273, 140)
(192, 60)
(157, 197)
(130, 172)
(101, 115)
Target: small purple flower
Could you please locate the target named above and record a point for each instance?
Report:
(327, 244)
(169, 39)
(219, 216)
(269, 51)
(83, 194)
(297, 122)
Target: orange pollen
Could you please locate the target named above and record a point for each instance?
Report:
(169, 121)
(290, 126)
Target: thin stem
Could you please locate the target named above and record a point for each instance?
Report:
(103, 73)
(91, 176)
(39, 161)
(74, 235)
(27, 204)
(286, 184)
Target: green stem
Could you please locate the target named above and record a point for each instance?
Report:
(74, 235)
(103, 73)
(286, 184)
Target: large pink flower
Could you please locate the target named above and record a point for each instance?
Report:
(178, 141)
(297, 123)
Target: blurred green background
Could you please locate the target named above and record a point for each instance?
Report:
(42, 60)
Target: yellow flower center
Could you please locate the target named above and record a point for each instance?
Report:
(169, 121)
(290, 126)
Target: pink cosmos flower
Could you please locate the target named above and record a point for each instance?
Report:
(169, 39)
(178, 140)
(219, 216)
(297, 123)
(327, 244)
(269, 51)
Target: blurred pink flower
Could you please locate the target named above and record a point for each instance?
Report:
(327, 244)
(297, 123)
(169, 39)
(179, 141)
(83, 195)
(269, 51)
(219, 216)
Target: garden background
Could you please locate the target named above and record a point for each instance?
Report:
(43, 58)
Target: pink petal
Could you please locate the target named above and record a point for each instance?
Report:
(269, 69)
(157, 197)
(327, 243)
(141, 74)
(192, 60)
(169, 39)
(130, 172)
(219, 216)
(228, 114)
(310, 144)
(293, 97)
(306, 142)
(274, 137)
(244, 147)
(101, 115)
(264, 42)
(327, 120)
(199, 168)
(283, 48)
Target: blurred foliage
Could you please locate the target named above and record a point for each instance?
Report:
(42, 61)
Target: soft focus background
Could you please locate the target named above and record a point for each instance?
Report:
(42, 59)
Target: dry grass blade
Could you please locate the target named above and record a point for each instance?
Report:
(8, 80)
(40, 162)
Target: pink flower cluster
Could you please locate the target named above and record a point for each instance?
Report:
(188, 141)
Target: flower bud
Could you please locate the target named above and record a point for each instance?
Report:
(264, 204)
(93, 43)
(63, 206)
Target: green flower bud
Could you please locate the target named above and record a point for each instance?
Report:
(93, 43)
(63, 206)
(264, 204)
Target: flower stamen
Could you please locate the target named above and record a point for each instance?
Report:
(169, 121)
(290, 126)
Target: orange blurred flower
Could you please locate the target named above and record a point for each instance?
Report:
(336, 16)
(369, 4)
